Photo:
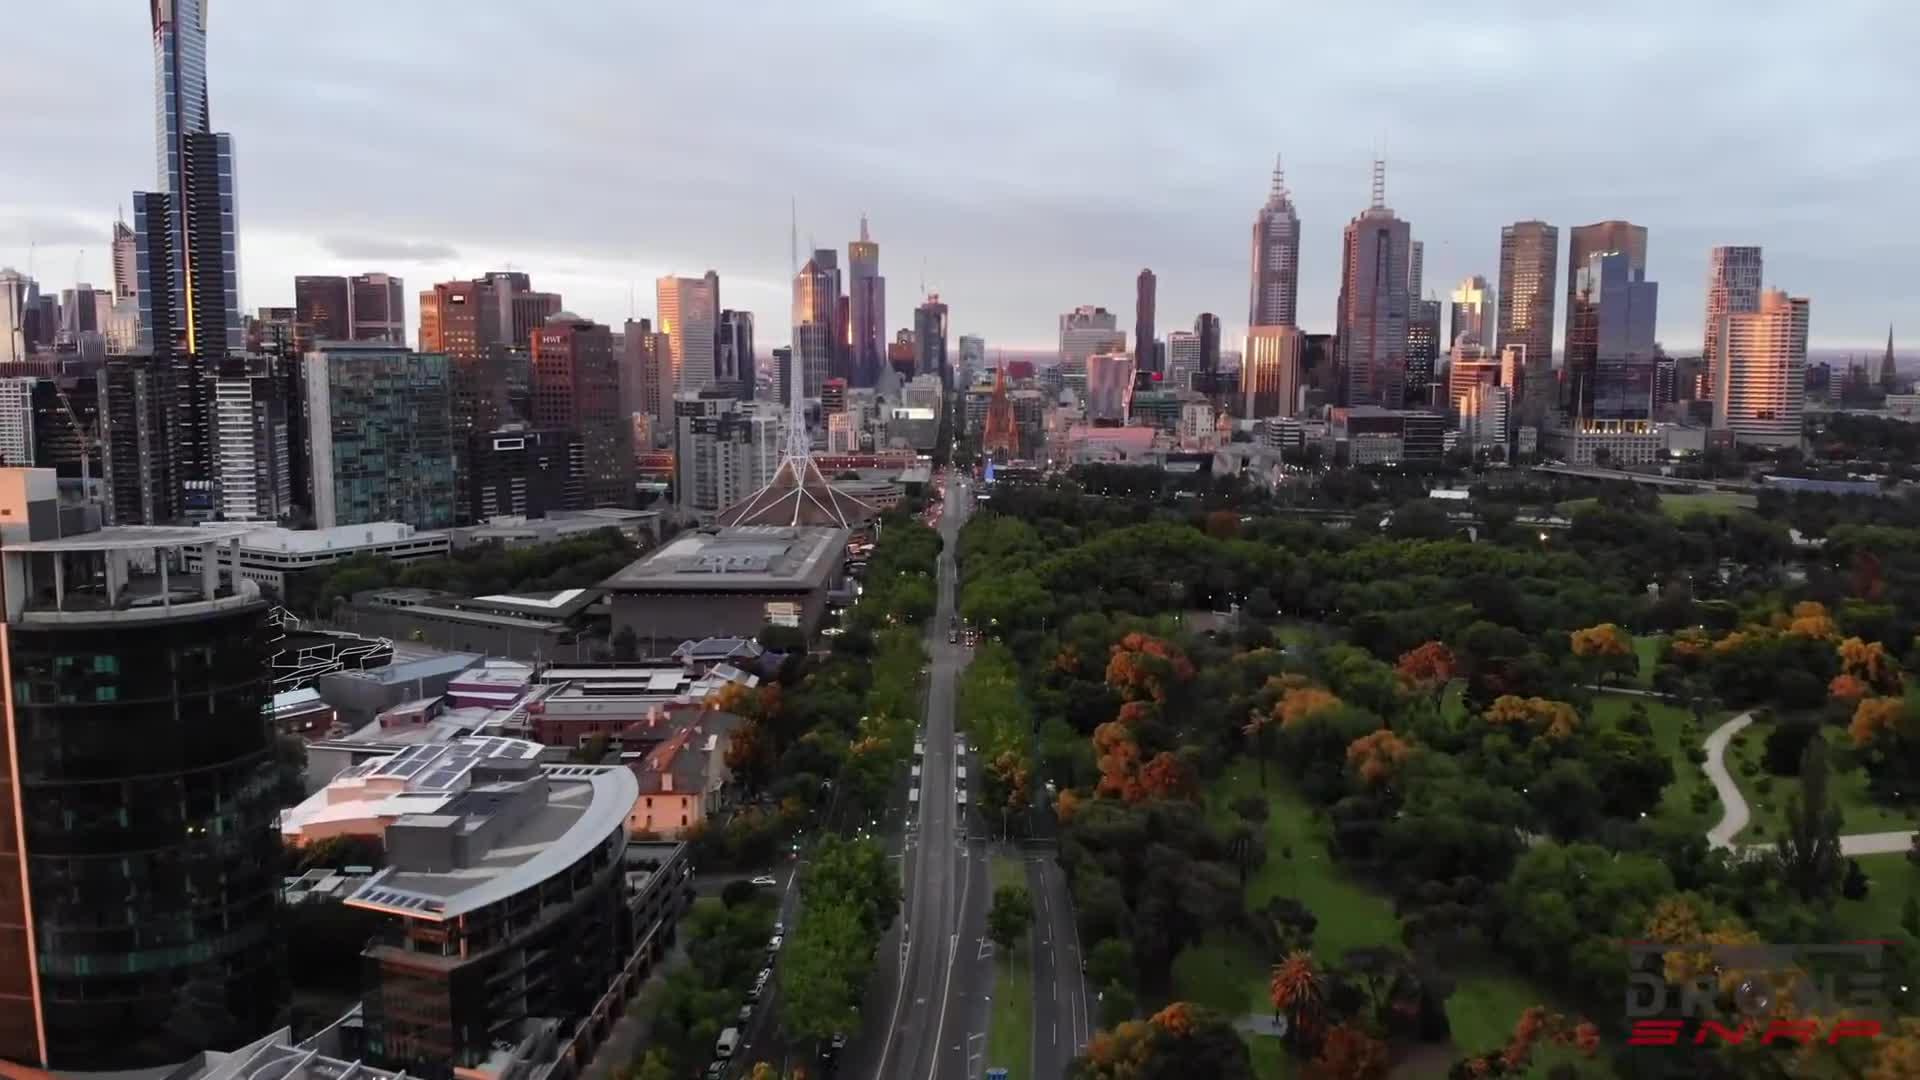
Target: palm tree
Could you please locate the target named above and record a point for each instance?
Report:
(1295, 989)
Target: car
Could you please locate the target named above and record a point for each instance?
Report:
(761, 979)
(774, 943)
(765, 881)
(753, 995)
(953, 637)
(716, 1070)
(746, 1014)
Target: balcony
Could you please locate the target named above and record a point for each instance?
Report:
(122, 575)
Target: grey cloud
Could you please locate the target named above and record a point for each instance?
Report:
(1032, 155)
(388, 249)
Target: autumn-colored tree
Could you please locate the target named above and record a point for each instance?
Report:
(1896, 1055)
(1144, 666)
(1175, 1019)
(1607, 649)
(1118, 758)
(1868, 661)
(1065, 804)
(1223, 525)
(1377, 758)
(1427, 668)
(1301, 702)
(749, 753)
(1679, 920)
(1553, 719)
(1810, 620)
(1349, 1053)
(1014, 775)
(1848, 688)
(1874, 715)
(1536, 1025)
(1136, 714)
(1689, 643)
(1167, 777)
(1067, 660)
(1295, 989)
(731, 698)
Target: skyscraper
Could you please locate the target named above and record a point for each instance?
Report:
(252, 468)
(1528, 251)
(378, 308)
(1610, 350)
(1423, 350)
(13, 315)
(1416, 272)
(1270, 372)
(576, 387)
(186, 243)
(126, 267)
(1761, 371)
(814, 291)
(1206, 327)
(689, 311)
(973, 356)
(838, 314)
(867, 309)
(1586, 241)
(930, 340)
(1084, 331)
(1371, 321)
(324, 304)
(141, 851)
(1275, 290)
(1733, 286)
(1183, 358)
(1474, 312)
(733, 353)
(1143, 337)
(1889, 374)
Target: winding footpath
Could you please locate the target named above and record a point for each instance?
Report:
(1735, 813)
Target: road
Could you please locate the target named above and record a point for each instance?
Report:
(930, 1023)
(1735, 813)
(1061, 1020)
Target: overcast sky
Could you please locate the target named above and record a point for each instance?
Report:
(1025, 156)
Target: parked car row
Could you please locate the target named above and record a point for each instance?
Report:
(729, 1040)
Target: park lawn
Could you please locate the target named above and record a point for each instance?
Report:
(1227, 975)
(1685, 504)
(1669, 733)
(1647, 648)
(1891, 882)
(1859, 813)
(1010, 1031)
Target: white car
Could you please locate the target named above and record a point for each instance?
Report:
(765, 881)
(774, 943)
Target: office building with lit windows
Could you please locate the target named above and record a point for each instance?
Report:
(1528, 278)
(1760, 373)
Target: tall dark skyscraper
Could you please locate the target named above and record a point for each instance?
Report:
(1372, 319)
(1586, 241)
(1206, 327)
(1275, 291)
(1423, 350)
(576, 387)
(1528, 251)
(733, 353)
(379, 308)
(867, 309)
(1610, 356)
(189, 285)
(814, 291)
(930, 339)
(1144, 358)
(324, 304)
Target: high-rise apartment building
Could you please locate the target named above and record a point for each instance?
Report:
(126, 266)
(378, 308)
(324, 303)
(1206, 327)
(1183, 358)
(1474, 312)
(1109, 387)
(930, 339)
(1733, 287)
(733, 352)
(1371, 322)
(141, 856)
(1084, 331)
(14, 287)
(1528, 265)
(1586, 241)
(16, 422)
(1423, 350)
(1416, 272)
(867, 310)
(576, 387)
(1610, 344)
(814, 293)
(523, 471)
(1270, 372)
(1761, 371)
(725, 449)
(252, 465)
(640, 368)
(137, 408)
(380, 435)
(838, 314)
(1275, 290)
(689, 313)
(1144, 358)
(973, 357)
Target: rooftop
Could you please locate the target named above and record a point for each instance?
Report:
(340, 537)
(135, 538)
(744, 558)
(425, 667)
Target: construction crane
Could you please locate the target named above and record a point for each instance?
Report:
(85, 438)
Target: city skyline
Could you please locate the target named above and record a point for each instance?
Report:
(618, 219)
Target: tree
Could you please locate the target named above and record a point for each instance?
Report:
(1259, 732)
(1427, 668)
(1296, 992)
(1168, 777)
(1144, 667)
(1606, 648)
(1873, 716)
(1854, 886)
(1348, 1053)
(1178, 1042)
(1552, 719)
(823, 970)
(626, 644)
(1809, 850)
(654, 1066)
(1010, 915)
(1301, 702)
(1111, 961)
(1378, 758)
